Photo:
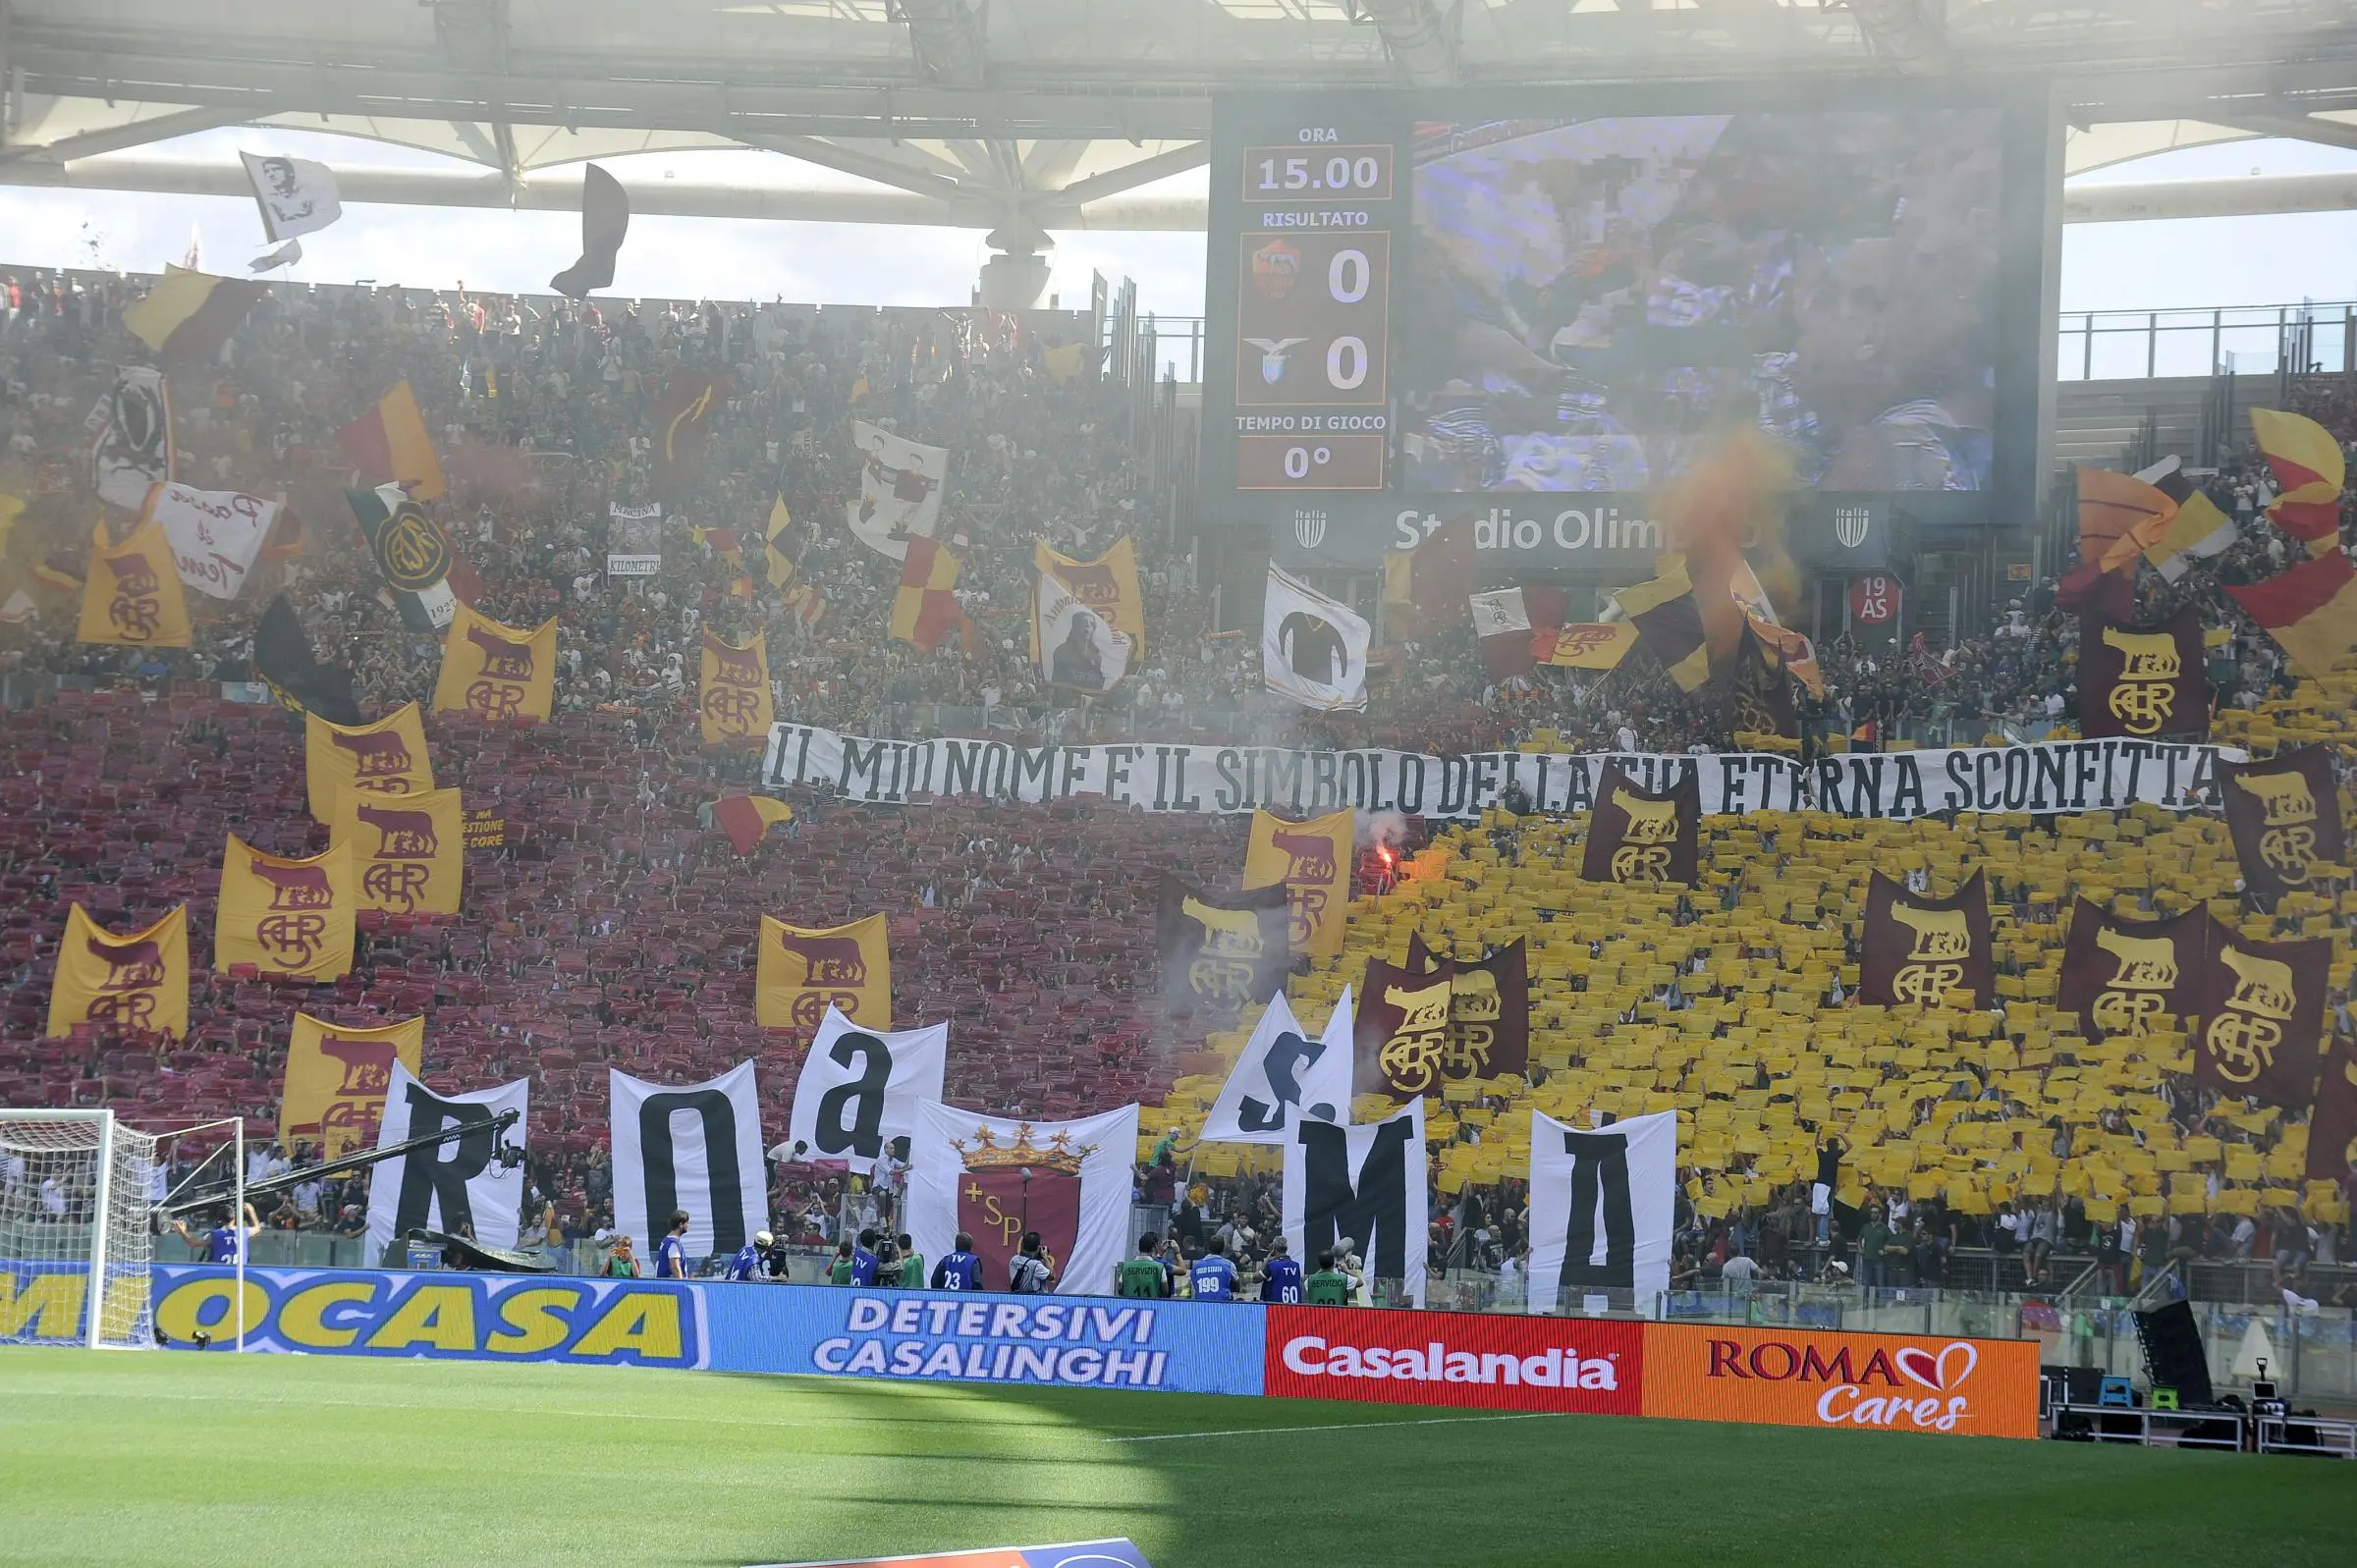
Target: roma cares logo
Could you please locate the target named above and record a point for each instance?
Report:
(1884, 1382)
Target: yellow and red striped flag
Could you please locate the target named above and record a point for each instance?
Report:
(2309, 465)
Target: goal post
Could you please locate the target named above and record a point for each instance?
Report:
(77, 1229)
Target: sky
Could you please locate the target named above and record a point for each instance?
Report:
(2203, 262)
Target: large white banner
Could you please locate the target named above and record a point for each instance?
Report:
(2063, 775)
(215, 534)
(696, 1147)
(1603, 1205)
(1283, 1074)
(900, 490)
(861, 1088)
(459, 1187)
(995, 1177)
(1364, 1185)
(1312, 649)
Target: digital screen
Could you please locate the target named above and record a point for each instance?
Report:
(1600, 299)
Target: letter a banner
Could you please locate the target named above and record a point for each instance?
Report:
(496, 671)
(800, 974)
(861, 1088)
(1637, 835)
(2285, 814)
(1285, 1074)
(2131, 977)
(284, 917)
(337, 1080)
(698, 1147)
(1603, 1205)
(458, 1187)
(1312, 861)
(2264, 1035)
(409, 851)
(388, 757)
(139, 981)
(131, 595)
(994, 1178)
(1367, 1184)
(732, 695)
(1918, 950)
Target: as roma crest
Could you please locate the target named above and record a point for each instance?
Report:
(1007, 1189)
(1276, 267)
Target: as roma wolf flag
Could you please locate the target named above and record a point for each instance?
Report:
(733, 700)
(1401, 1040)
(2285, 814)
(924, 611)
(497, 672)
(1489, 1009)
(1106, 587)
(1603, 1205)
(1920, 948)
(133, 597)
(1312, 861)
(1283, 1074)
(2310, 468)
(748, 819)
(2264, 1032)
(337, 1080)
(385, 758)
(605, 220)
(994, 1178)
(412, 556)
(683, 424)
(460, 1187)
(284, 917)
(389, 446)
(1221, 950)
(1312, 649)
(1422, 587)
(696, 1147)
(409, 852)
(2142, 683)
(1086, 652)
(283, 657)
(2310, 609)
(130, 429)
(189, 315)
(1668, 622)
(2332, 1126)
(800, 974)
(900, 490)
(861, 1088)
(137, 981)
(2131, 977)
(1365, 1183)
(1637, 835)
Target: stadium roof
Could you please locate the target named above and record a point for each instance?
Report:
(1023, 116)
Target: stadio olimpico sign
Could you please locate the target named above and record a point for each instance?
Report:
(2068, 775)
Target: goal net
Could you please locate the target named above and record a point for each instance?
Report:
(77, 1229)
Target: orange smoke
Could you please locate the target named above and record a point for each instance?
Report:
(1724, 509)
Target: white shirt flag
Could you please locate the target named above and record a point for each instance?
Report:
(1313, 649)
(215, 534)
(861, 1088)
(900, 490)
(1283, 1074)
(1603, 1205)
(459, 1187)
(1079, 649)
(296, 195)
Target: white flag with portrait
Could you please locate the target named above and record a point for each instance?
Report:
(296, 195)
(995, 1177)
(1079, 649)
(1312, 649)
(861, 1088)
(900, 490)
(1283, 1074)
(695, 1147)
(1603, 1205)
(459, 1187)
(1362, 1184)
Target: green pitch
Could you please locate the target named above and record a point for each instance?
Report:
(179, 1458)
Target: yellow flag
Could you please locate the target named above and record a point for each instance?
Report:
(284, 917)
(1106, 586)
(496, 671)
(780, 564)
(336, 1082)
(800, 973)
(131, 595)
(388, 757)
(1061, 363)
(139, 981)
(409, 852)
(732, 700)
(1313, 860)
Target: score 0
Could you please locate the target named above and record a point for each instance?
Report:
(1313, 318)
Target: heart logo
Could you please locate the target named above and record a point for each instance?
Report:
(1933, 1372)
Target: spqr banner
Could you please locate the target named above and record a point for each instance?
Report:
(995, 1177)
